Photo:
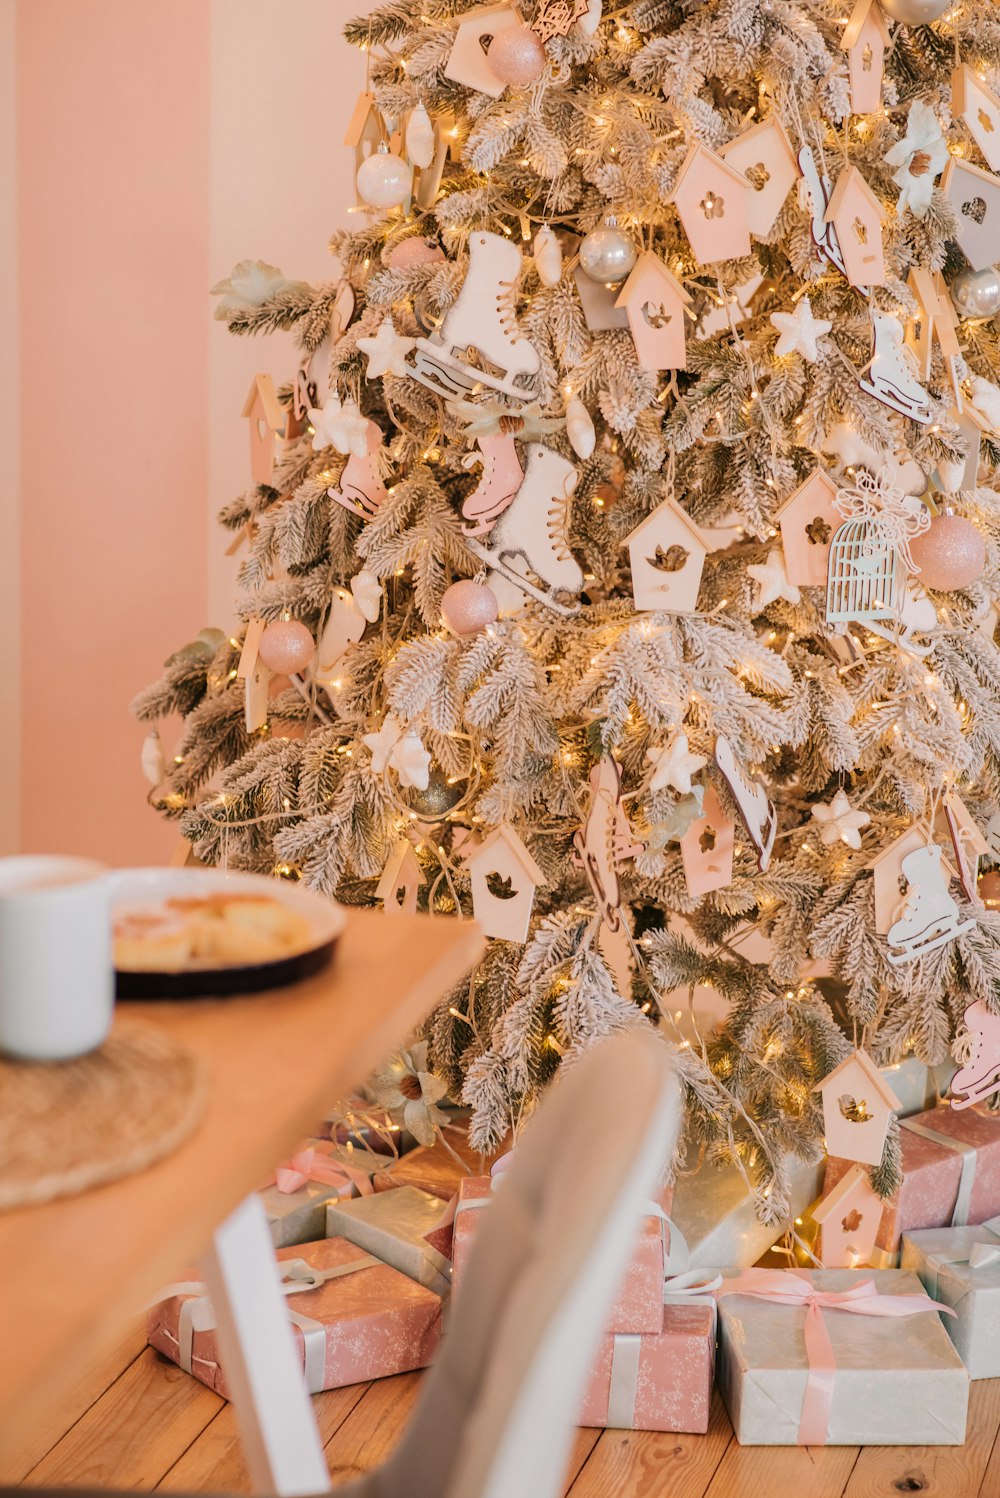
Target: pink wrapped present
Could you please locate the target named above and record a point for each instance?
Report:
(354, 1319)
(951, 1175)
(661, 1381)
(639, 1304)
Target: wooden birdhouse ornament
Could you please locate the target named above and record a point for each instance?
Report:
(978, 107)
(975, 197)
(919, 329)
(504, 879)
(808, 520)
(955, 825)
(890, 879)
(765, 157)
(848, 1218)
(364, 131)
(857, 1105)
(255, 676)
(707, 848)
(856, 215)
(467, 62)
(264, 412)
(654, 303)
(711, 198)
(601, 310)
(401, 878)
(667, 553)
(865, 39)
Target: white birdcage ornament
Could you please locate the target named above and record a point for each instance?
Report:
(870, 562)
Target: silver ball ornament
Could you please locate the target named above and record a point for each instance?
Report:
(976, 293)
(607, 254)
(915, 12)
(383, 179)
(517, 56)
(439, 797)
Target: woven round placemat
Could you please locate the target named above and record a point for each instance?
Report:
(66, 1126)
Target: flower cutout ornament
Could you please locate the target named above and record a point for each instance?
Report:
(918, 158)
(339, 424)
(674, 765)
(839, 822)
(799, 331)
(249, 284)
(387, 351)
(406, 1089)
(772, 579)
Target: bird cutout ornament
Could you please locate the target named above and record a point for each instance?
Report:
(468, 62)
(799, 332)
(839, 821)
(361, 489)
(978, 1077)
(865, 39)
(546, 252)
(504, 877)
(152, 758)
(420, 136)
(815, 192)
(858, 1104)
(499, 482)
(928, 917)
(772, 581)
(667, 554)
(711, 198)
(654, 302)
(848, 1218)
(558, 17)
(892, 371)
(580, 428)
(481, 325)
(807, 520)
(255, 676)
(974, 194)
(978, 107)
(707, 848)
(529, 539)
(765, 157)
(856, 215)
(345, 625)
(401, 879)
(266, 418)
(387, 351)
(605, 840)
(674, 765)
(339, 424)
(754, 805)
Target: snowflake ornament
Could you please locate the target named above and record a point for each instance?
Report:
(918, 157)
(339, 424)
(387, 351)
(839, 822)
(773, 580)
(367, 592)
(800, 331)
(673, 766)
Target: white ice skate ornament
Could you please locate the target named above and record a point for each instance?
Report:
(479, 343)
(361, 488)
(500, 480)
(752, 801)
(605, 840)
(979, 1075)
(892, 373)
(529, 539)
(386, 351)
(344, 626)
(929, 917)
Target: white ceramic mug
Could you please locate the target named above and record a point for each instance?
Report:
(57, 984)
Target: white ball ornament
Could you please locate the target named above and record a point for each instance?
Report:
(420, 137)
(517, 56)
(607, 254)
(383, 179)
(976, 293)
(547, 255)
(915, 12)
(468, 607)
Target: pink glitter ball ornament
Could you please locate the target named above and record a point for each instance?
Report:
(468, 607)
(286, 645)
(413, 251)
(517, 56)
(951, 554)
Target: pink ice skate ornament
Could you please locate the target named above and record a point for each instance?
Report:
(979, 1075)
(529, 539)
(929, 916)
(498, 484)
(361, 487)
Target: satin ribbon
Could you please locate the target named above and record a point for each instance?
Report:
(688, 1289)
(984, 1255)
(198, 1315)
(676, 1254)
(313, 1165)
(960, 1216)
(790, 1287)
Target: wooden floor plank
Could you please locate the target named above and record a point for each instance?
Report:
(819, 1471)
(934, 1471)
(371, 1430)
(643, 1463)
(134, 1433)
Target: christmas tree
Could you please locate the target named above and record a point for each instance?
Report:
(619, 564)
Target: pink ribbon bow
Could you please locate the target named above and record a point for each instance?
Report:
(791, 1287)
(312, 1165)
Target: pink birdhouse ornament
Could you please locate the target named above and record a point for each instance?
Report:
(667, 553)
(856, 215)
(975, 197)
(848, 1218)
(467, 62)
(808, 519)
(401, 878)
(865, 39)
(765, 157)
(707, 848)
(504, 879)
(266, 416)
(712, 198)
(857, 1105)
(978, 107)
(654, 302)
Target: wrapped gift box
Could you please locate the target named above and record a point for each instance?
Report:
(639, 1304)
(714, 1210)
(295, 1203)
(363, 1323)
(961, 1267)
(897, 1379)
(432, 1168)
(951, 1175)
(402, 1228)
(660, 1381)
(917, 1086)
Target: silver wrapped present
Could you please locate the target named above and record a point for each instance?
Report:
(714, 1210)
(838, 1357)
(961, 1267)
(917, 1086)
(402, 1228)
(295, 1202)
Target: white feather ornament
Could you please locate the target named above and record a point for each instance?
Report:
(420, 137)
(547, 255)
(580, 428)
(152, 758)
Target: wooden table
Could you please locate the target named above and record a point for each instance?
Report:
(75, 1271)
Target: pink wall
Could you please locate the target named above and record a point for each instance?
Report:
(112, 125)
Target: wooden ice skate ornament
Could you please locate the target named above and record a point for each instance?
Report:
(401, 878)
(975, 197)
(364, 131)
(857, 1105)
(848, 1218)
(344, 626)
(956, 823)
(605, 841)
(504, 879)
(712, 198)
(557, 17)
(254, 675)
(755, 806)
(528, 540)
(979, 1075)
(815, 192)
(978, 107)
(808, 519)
(865, 39)
(764, 156)
(667, 554)
(312, 380)
(856, 215)
(707, 848)
(600, 303)
(654, 302)
(928, 916)
(892, 371)
(467, 62)
(264, 412)
(479, 342)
